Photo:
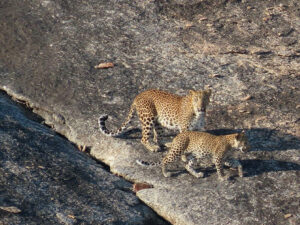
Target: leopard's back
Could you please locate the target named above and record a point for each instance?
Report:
(173, 111)
(203, 143)
(156, 109)
(198, 143)
(163, 103)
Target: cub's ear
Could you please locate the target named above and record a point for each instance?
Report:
(191, 92)
(208, 91)
(240, 135)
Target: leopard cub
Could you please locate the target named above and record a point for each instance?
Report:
(157, 109)
(193, 145)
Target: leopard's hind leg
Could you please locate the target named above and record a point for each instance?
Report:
(147, 115)
(157, 133)
(178, 147)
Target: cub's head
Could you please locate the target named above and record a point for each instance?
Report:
(241, 142)
(200, 100)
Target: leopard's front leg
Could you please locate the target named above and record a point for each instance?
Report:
(219, 166)
(189, 166)
(234, 163)
(147, 126)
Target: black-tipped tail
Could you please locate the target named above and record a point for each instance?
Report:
(102, 127)
(118, 132)
(103, 117)
(145, 163)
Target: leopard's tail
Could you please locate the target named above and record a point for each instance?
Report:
(103, 129)
(145, 163)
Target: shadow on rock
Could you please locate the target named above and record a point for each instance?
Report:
(264, 139)
(250, 168)
(260, 139)
(257, 167)
(134, 133)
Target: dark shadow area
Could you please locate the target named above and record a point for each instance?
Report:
(257, 167)
(260, 139)
(250, 168)
(134, 133)
(264, 139)
(24, 107)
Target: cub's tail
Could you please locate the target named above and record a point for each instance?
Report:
(145, 163)
(103, 129)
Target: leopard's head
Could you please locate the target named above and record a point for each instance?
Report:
(241, 142)
(200, 100)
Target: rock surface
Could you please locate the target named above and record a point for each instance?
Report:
(46, 180)
(246, 51)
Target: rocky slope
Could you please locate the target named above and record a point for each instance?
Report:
(246, 51)
(47, 180)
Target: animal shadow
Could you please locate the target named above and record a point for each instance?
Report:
(250, 168)
(134, 133)
(264, 139)
(257, 167)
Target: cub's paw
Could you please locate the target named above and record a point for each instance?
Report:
(199, 175)
(168, 144)
(152, 148)
(167, 174)
(224, 178)
(184, 158)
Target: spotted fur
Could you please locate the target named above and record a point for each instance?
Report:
(157, 109)
(192, 145)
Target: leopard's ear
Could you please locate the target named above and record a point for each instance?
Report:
(208, 91)
(192, 92)
(240, 135)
